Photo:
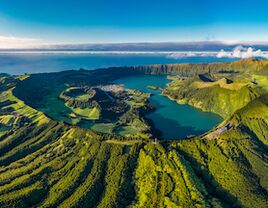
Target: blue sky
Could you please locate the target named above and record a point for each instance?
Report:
(102, 21)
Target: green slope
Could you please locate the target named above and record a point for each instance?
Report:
(45, 163)
(222, 100)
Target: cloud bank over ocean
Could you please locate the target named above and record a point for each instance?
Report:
(172, 50)
(179, 55)
(239, 52)
(243, 53)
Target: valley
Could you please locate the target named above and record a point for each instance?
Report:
(86, 138)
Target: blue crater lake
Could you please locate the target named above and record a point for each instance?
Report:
(173, 120)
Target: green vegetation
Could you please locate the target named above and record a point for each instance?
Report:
(111, 106)
(221, 93)
(45, 162)
(103, 127)
(87, 113)
(213, 96)
(248, 67)
(79, 98)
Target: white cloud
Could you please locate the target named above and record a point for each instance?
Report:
(238, 52)
(179, 55)
(17, 42)
(243, 53)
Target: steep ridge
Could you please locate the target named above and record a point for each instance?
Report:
(188, 70)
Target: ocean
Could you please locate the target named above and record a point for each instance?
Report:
(21, 63)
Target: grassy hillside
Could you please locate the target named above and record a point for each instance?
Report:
(221, 88)
(58, 165)
(218, 96)
(47, 163)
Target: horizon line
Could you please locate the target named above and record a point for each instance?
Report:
(55, 45)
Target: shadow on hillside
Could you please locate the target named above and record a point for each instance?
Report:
(212, 186)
